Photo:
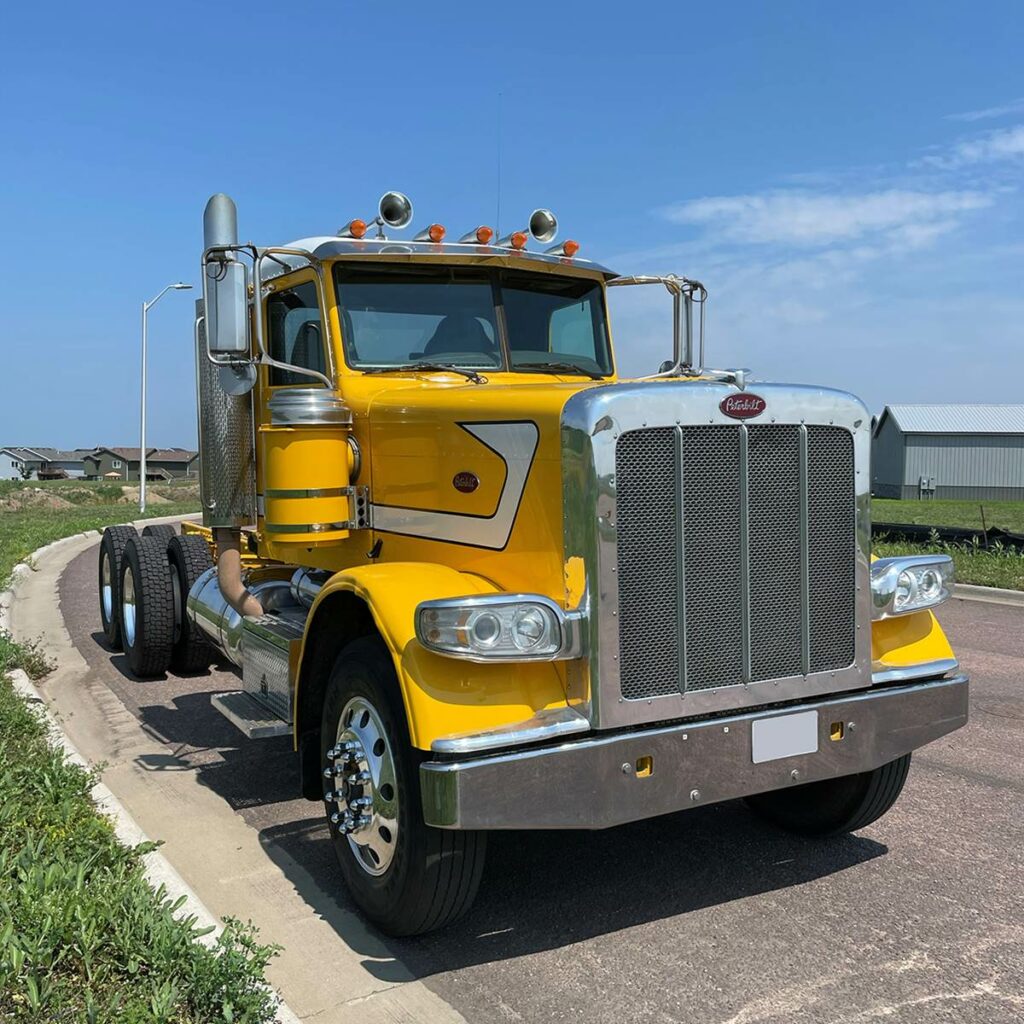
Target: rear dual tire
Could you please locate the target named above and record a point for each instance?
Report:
(147, 607)
(144, 584)
(115, 539)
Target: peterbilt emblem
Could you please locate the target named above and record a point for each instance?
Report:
(743, 407)
(465, 482)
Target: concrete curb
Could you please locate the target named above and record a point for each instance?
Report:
(157, 869)
(994, 595)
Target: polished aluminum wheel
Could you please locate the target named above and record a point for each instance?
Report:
(106, 587)
(362, 767)
(128, 607)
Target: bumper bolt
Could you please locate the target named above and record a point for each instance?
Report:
(627, 768)
(795, 774)
(694, 795)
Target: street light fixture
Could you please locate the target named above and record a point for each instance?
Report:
(146, 306)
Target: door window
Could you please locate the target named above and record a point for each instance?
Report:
(295, 334)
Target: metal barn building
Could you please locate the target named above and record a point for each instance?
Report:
(949, 451)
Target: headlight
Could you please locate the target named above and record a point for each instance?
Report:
(902, 585)
(517, 627)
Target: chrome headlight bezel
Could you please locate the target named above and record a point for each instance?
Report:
(447, 626)
(910, 583)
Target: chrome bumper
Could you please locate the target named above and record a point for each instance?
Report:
(593, 782)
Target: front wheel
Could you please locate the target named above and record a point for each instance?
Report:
(833, 806)
(406, 877)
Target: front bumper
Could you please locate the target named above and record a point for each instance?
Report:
(593, 782)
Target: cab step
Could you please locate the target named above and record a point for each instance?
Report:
(250, 716)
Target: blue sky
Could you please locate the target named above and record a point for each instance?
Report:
(845, 179)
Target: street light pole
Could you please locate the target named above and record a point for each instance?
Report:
(146, 307)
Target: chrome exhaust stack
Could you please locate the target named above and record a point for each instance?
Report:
(227, 455)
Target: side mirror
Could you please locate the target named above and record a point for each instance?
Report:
(227, 307)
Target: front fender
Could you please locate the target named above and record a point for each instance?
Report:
(442, 696)
(907, 640)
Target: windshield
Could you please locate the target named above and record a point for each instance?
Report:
(479, 320)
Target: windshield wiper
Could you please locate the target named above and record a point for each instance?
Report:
(475, 377)
(561, 368)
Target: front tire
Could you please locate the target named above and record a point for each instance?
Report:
(147, 606)
(834, 806)
(112, 546)
(406, 877)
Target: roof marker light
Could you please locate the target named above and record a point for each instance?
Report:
(481, 235)
(568, 248)
(434, 233)
(518, 239)
(353, 229)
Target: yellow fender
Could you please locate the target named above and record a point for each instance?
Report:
(442, 696)
(906, 640)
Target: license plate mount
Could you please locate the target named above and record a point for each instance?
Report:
(784, 736)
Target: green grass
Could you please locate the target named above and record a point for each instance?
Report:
(23, 531)
(83, 938)
(1007, 515)
(997, 567)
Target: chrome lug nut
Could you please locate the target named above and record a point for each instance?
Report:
(358, 778)
(360, 804)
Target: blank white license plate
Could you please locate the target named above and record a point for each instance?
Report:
(787, 736)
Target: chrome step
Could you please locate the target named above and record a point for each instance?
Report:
(254, 719)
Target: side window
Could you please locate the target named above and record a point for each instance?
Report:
(295, 334)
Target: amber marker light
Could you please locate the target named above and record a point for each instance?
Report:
(484, 234)
(518, 239)
(357, 228)
(436, 232)
(566, 249)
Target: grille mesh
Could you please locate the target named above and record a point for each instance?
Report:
(711, 532)
(681, 519)
(832, 544)
(648, 507)
(776, 626)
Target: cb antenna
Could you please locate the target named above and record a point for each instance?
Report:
(497, 214)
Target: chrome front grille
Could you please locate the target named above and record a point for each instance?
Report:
(736, 555)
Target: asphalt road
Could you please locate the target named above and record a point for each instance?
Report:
(706, 916)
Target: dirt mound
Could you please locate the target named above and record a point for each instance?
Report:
(130, 496)
(33, 497)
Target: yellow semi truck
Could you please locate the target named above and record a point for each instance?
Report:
(486, 583)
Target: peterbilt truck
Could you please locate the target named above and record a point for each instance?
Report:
(484, 582)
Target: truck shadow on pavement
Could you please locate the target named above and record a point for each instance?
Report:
(546, 890)
(540, 890)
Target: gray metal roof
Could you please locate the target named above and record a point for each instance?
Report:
(956, 419)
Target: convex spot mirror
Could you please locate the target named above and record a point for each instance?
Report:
(227, 308)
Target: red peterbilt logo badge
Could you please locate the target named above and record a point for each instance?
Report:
(465, 482)
(743, 407)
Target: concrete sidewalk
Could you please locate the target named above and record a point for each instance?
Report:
(320, 976)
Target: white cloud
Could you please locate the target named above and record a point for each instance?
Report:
(804, 218)
(1003, 144)
(986, 113)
